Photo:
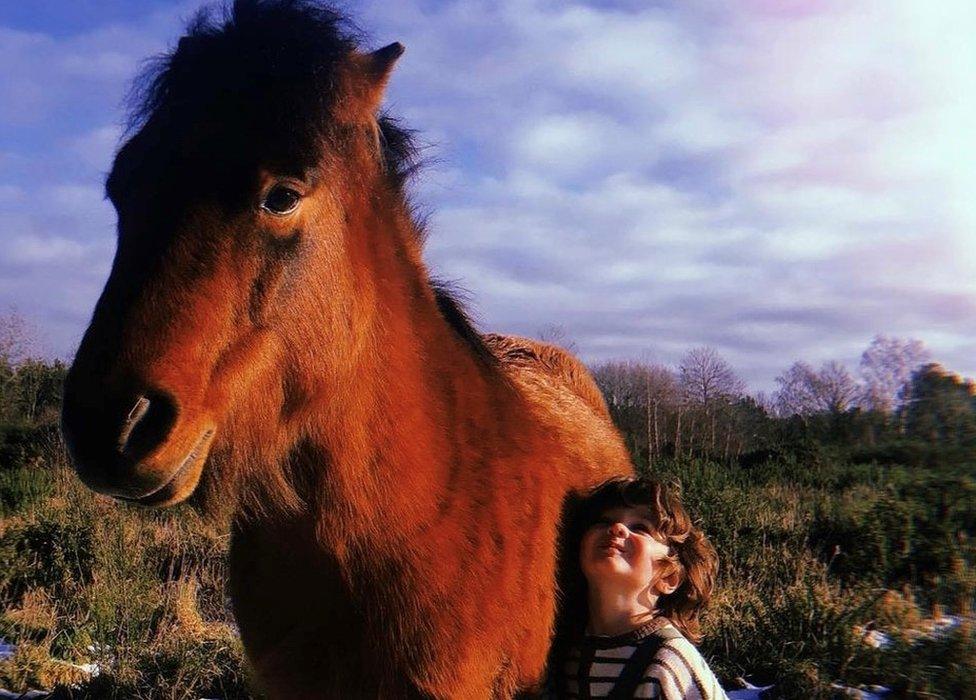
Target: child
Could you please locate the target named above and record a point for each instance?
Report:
(646, 574)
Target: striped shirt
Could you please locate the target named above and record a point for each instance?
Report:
(677, 670)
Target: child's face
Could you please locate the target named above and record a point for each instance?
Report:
(619, 552)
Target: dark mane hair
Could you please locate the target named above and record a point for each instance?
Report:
(452, 309)
(281, 55)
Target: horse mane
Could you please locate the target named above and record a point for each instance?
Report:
(446, 294)
(283, 55)
(287, 49)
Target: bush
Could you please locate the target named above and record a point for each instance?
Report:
(52, 555)
(23, 445)
(911, 453)
(22, 488)
(140, 593)
(810, 555)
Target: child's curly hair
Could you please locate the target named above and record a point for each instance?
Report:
(688, 549)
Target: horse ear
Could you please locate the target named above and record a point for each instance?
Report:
(381, 61)
(372, 72)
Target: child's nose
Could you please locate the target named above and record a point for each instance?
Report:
(618, 530)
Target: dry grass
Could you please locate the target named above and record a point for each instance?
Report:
(141, 594)
(813, 563)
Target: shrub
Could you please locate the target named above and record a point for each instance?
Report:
(25, 445)
(23, 487)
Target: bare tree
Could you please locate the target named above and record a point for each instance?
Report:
(642, 398)
(796, 395)
(16, 338)
(555, 334)
(620, 382)
(705, 376)
(805, 392)
(765, 402)
(661, 395)
(836, 388)
(886, 368)
(708, 382)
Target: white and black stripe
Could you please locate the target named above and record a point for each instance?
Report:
(677, 670)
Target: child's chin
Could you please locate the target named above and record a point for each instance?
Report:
(606, 565)
(614, 561)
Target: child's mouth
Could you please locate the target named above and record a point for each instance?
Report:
(612, 548)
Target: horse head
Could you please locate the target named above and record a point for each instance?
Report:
(245, 264)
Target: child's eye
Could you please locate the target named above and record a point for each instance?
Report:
(641, 527)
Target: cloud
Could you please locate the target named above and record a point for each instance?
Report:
(780, 180)
(60, 100)
(96, 147)
(32, 251)
(766, 179)
(571, 142)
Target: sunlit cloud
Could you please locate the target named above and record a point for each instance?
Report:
(781, 180)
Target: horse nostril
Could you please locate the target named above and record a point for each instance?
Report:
(135, 415)
(148, 423)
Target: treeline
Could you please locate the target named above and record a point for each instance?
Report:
(30, 391)
(30, 396)
(899, 407)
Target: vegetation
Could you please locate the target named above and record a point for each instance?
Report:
(841, 507)
(838, 513)
(84, 580)
(816, 555)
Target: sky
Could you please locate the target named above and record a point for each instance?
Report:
(778, 179)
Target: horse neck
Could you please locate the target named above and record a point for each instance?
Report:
(401, 405)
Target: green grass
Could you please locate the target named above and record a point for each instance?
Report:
(140, 593)
(22, 488)
(813, 554)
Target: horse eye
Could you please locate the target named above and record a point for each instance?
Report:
(281, 200)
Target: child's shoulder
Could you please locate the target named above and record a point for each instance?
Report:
(680, 670)
(675, 652)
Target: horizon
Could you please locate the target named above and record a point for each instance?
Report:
(779, 181)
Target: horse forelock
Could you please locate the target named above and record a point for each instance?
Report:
(260, 76)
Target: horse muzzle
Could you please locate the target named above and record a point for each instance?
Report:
(150, 453)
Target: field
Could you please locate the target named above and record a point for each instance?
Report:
(820, 557)
(138, 593)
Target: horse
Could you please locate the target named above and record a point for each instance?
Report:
(270, 346)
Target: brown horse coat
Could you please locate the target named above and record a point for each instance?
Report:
(270, 344)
